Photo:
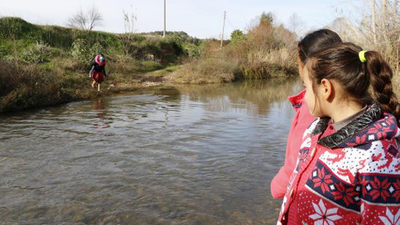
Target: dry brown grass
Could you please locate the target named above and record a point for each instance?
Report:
(28, 86)
(267, 52)
(204, 71)
(385, 39)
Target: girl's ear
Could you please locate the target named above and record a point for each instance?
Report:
(327, 90)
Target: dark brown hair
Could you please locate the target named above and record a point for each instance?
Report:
(342, 63)
(316, 41)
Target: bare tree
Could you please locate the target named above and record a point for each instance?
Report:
(78, 20)
(296, 25)
(129, 22)
(86, 20)
(130, 19)
(373, 20)
(95, 18)
(373, 27)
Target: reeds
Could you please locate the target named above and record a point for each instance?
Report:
(266, 51)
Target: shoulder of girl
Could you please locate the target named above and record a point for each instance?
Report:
(381, 156)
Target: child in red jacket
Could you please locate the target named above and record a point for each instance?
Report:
(307, 47)
(348, 170)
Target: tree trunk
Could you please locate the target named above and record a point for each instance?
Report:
(384, 20)
(373, 20)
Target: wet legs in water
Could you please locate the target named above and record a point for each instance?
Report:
(98, 85)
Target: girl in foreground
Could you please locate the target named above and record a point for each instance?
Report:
(348, 170)
(310, 45)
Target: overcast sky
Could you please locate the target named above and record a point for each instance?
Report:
(199, 18)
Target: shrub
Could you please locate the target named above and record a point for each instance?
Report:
(38, 53)
(237, 37)
(266, 51)
(16, 28)
(84, 53)
(79, 50)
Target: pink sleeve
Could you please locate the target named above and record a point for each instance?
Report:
(300, 123)
(280, 182)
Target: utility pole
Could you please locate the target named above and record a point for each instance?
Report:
(223, 30)
(165, 18)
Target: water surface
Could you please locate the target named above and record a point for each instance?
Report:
(169, 155)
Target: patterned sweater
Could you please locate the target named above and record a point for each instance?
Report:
(349, 176)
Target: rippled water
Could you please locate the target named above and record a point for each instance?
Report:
(170, 155)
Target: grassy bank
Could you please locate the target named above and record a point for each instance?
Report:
(265, 51)
(47, 65)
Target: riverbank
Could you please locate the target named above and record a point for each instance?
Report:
(35, 87)
(266, 50)
(49, 65)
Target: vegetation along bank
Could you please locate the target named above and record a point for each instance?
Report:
(49, 65)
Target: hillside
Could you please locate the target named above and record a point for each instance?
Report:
(47, 65)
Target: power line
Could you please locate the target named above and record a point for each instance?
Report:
(232, 25)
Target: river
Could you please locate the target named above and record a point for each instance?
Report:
(165, 155)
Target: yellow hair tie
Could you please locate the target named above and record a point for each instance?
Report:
(361, 55)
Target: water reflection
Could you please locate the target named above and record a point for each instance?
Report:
(261, 95)
(169, 155)
(100, 108)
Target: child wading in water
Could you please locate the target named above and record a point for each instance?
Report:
(348, 169)
(98, 71)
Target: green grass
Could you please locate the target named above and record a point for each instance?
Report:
(60, 37)
(46, 65)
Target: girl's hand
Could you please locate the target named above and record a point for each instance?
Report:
(90, 72)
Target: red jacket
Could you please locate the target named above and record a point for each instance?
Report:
(300, 122)
(347, 177)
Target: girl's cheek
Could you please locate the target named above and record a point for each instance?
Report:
(309, 100)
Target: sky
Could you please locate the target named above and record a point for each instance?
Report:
(198, 18)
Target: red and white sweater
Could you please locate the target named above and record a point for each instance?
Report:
(349, 176)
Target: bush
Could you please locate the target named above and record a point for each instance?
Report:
(84, 53)
(192, 50)
(237, 37)
(5, 49)
(16, 28)
(206, 70)
(39, 53)
(79, 50)
(266, 51)
(165, 50)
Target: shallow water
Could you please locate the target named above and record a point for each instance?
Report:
(170, 155)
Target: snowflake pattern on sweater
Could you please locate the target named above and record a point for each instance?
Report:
(355, 182)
